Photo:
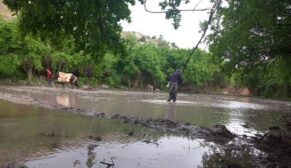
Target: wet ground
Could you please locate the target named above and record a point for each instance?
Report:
(38, 137)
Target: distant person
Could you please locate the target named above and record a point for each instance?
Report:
(175, 79)
(49, 76)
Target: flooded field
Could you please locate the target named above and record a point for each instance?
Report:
(202, 110)
(38, 137)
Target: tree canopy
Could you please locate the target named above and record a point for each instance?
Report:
(250, 33)
(253, 39)
(93, 24)
(249, 43)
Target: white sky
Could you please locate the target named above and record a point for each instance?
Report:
(186, 36)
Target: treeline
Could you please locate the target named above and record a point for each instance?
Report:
(140, 64)
(254, 40)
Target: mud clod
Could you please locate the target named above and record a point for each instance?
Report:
(277, 144)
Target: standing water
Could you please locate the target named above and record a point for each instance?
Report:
(37, 137)
(40, 138)
(242, 115)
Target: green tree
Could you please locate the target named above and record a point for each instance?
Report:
(127, 65)
(10, 46)
(150, 64)
(201, 69)
(93, 24)
(246, 41)
(108, 69)
(252, 36)
(31, 54)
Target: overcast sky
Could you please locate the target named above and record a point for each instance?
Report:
(186, 36)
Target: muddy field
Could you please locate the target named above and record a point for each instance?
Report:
(55, 127)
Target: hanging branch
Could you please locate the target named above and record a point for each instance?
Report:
(213, 10)
(181, 10)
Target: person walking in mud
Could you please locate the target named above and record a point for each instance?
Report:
(175, 79)
(49, 75)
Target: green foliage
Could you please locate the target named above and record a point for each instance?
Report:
(32, 50)
(248, 41)
(250, 45)
(93, 24)
(140, 65)
(109, 65)
(201, 68)
(277, 79)
(11, 70)
(8, 41)
(253, 38)
(9, 47)
(149, 61)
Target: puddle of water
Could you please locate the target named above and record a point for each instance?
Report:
(178, 102)
(240, 105)
(171, 152)
(43, 138)
(40, 138)
(240, 114)
(27, 131)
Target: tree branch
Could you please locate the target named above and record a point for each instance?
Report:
(181, 10)
(213, 10)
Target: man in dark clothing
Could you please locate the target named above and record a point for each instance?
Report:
(175, 79)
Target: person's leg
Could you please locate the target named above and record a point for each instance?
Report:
(175, 91)
(170, 92)
(170, 96)
(50, 82)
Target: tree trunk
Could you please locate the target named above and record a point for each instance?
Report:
(135, 84)
(60, 66)
(29, 74)
(128, 82)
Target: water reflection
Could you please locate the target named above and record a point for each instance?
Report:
(170, 114)
(172, 152)
(64, 100)
(40, 138)
(91, 156)
(27, 131)
(204, 110)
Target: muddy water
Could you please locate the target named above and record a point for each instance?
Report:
(242, 115)
(38, 138)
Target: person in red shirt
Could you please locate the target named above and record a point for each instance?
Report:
(49, 75)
